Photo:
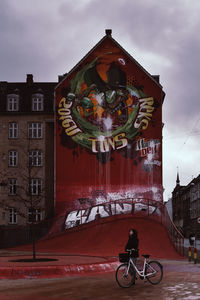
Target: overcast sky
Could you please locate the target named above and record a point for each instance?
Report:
(48, 37)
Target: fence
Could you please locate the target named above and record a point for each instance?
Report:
(11, 236)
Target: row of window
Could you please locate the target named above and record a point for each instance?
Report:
(195, 209)
(34, 187)
(13, 102)
(34, 158)
(34, 130)
(33, 215)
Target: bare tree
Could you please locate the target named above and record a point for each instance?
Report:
(27, 192)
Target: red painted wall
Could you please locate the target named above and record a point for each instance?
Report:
(108, 131)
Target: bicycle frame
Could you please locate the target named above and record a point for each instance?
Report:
(142, 272)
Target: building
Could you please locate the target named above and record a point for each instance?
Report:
(108, 138)
(186, 207)
(168, 205)
(108, 132)
(26, 152)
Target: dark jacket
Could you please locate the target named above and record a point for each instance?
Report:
(133, 241)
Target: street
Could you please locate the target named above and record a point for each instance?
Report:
(184, 284)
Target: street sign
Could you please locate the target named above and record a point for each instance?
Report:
(198, 220)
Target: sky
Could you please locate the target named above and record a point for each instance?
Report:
(48, 37)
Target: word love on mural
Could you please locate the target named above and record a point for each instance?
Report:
(104, 115)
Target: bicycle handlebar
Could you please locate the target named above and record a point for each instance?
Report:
(133, 249)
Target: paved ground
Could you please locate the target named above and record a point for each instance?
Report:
(181, 281)
(7, 258)
(17, 264)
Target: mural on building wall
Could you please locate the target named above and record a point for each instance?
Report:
(104, 115)
(108, 140)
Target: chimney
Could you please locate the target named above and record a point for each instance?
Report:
(108, 32)
(156, 78)
(61, 77)
(3, 86)
(29, 79)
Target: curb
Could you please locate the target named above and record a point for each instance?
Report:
(56, 271)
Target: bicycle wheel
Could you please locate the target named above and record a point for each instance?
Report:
(154, 272)
(125, 279)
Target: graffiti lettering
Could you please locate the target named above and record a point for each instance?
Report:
(147, 147)
(105, 144)
(68, 123)
(78, 217)
(145, 113)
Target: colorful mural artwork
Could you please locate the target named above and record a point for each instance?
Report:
(104, 115)
(109, 130)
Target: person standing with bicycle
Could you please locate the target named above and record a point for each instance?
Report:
(126, 272)
(133, 243)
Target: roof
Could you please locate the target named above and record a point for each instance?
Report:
(25, 91)
(154, 78)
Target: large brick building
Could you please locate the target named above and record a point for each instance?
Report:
(27, 151)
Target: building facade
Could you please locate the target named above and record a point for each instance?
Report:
(26, 152)
(108, 132)
(186, 207)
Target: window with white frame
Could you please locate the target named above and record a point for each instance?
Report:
(35, 158)
(12, 102)
(12, 158)
(37, 102)
(35, 187)
(34, 215)
(12, 216)
(35, 130)
(13, 130)
(12, 186)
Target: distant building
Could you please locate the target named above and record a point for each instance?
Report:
(27, 151)
(168, 204)
(186, 207)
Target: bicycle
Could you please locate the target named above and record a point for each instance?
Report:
(126, 273)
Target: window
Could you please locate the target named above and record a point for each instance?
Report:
(12, 186)
(35, 186)
(12, 102)
(3, 215)
(12, 216)
(13, 131)
(37, 102)
(12, 158)
(35, 130)
(35, 158)
(34, 215)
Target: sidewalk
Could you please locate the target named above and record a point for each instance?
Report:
(59, 265)
(181, 280)
(63, 265)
